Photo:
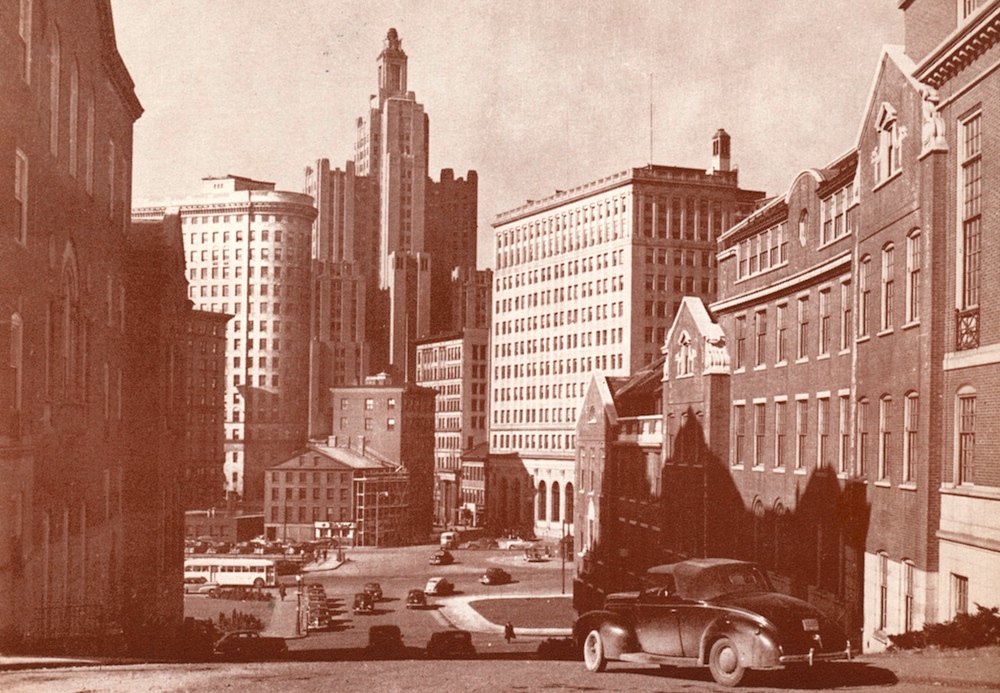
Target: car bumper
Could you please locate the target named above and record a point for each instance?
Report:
(813, 656)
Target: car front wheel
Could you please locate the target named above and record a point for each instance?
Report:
(593, 652)
(724, 663)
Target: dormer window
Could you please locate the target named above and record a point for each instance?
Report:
(685, 355)
(886, 158)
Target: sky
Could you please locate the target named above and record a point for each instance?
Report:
(533, 96)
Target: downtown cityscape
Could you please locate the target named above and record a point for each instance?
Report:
(233, 389)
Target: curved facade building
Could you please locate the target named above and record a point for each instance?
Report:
(247, 251)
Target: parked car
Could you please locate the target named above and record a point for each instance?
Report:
(199, 585)
(375, 590)
(439, 586)
(246, 645)
(712, 612)
(535, 554)
(516, 543)
(364, 603)
(416, 599)
(385, 641)
(450, 644)
(495, 576)
(480, 544)
(442, 558)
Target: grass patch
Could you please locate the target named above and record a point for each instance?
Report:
(528, 612)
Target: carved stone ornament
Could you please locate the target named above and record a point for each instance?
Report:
(933, 138)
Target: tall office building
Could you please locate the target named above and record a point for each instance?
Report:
(247, 249)
(589, 280)
(385, 241)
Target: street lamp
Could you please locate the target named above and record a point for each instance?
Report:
(380, 494)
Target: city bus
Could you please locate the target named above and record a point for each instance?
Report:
(227, 571)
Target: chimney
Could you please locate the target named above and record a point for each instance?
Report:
(720, 151)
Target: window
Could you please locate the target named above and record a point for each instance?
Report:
(884, 436)
(969, 7)
(21, 196)
(54, 58)
(541, 502)
(781, 345)
(739, 427)
(888, 269)
(741, 340)
(966, 435)
(760, 326)
(910, 424)
(843, 453)
(913, 277)
(864, 305)
(802, 350)
(824, 321)
(369, 403)
(823, 428)
(17, 359)
(971, 241)
(907, 596)
(88, 146)
(883, 589)
(863, 437)
(759, 421)
(845, 315)
(959, 594)
(886, 158)
(369, 424)
(801, 431)
(74, 116)
(780, 433)
(24, 30)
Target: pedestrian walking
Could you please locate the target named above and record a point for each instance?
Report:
(281, 591)
(508, 632)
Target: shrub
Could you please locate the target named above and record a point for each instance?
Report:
(964, 631)
(239, 621)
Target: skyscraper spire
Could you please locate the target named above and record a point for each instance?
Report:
(391, 67)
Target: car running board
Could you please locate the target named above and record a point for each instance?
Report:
(646, 658)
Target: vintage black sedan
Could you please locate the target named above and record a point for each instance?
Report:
(712, 612)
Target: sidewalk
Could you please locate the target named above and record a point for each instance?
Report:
(457, 611)
(950, 669)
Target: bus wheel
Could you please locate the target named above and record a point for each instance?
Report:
(258, 583)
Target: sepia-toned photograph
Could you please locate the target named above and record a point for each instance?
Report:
(479, 346)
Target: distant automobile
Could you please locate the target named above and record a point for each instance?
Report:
(247, 645)
(535, 555)
(439, 586)
(516, 543)
(385, 641)
(199, 585)
(442, 558)
(712, 612)
(495, 576)
(374, 589)
(364, 603)
(416, 599)
(450, 644)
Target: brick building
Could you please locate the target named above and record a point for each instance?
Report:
(92, 316)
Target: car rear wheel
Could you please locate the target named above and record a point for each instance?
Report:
(724, 663)
(593, 652)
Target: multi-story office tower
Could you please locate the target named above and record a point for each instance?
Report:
(402, 232)
(247, 247)
(91, 398)
(457, 366)
(450, 222)
(588, 280)
(202, 480)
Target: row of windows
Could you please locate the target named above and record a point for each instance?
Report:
(303, 514)
(794, 341)
(560, 270)
(683, 218)
(573, 340)
(237, 217)
(888, 305)
(534, 441)
(265, 272)
(682, 284)
(264, 254)
(560, 294)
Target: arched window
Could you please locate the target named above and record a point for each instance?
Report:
(803, 226)
(883, 589)
(886, 159)
(862, 424)
(541, 502)
(568, 514)
(888, 285)
(554, 504)
(911, 413)
(913, 263)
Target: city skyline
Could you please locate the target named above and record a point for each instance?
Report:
(560, 105)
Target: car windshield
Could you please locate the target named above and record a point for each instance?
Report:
(715, 581)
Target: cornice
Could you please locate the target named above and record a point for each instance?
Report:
(961, 49)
